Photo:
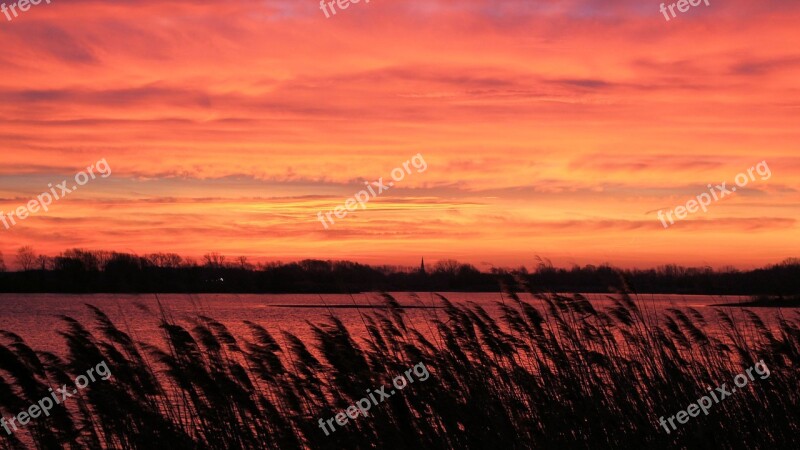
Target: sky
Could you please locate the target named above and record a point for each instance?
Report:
(548, 129)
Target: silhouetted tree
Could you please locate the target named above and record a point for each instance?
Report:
(90, 261)
(166, 260)
(44, 262)
(243, 264)
(448, 266)
(213, 259)
(26, 258)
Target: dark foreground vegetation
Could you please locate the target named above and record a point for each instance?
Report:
(82, 271)
(553, 374)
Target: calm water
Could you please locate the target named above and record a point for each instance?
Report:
(36, 316)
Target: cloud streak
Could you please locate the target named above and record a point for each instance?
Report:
(550, 128)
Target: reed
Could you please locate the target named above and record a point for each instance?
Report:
(556, 372)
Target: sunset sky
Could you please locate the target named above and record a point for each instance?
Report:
(549, 128)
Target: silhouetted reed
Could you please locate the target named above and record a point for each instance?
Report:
(555, 372)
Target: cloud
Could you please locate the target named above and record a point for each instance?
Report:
(548, 126)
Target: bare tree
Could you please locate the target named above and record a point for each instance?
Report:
(448, 266)
(214, 259)
(88, 259)
(165, 260)
(156, 259)
(26, 258)
(44, 262)
(103, 257)
(243, 264)
(172, 260)
(2, 263)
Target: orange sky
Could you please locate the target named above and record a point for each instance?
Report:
(550, 128)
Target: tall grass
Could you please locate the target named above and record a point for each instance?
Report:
(552, 373)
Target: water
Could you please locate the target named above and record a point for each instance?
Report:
(36, 317)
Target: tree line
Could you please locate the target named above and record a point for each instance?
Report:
(86, 271)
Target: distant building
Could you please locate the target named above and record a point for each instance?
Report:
(422, 266)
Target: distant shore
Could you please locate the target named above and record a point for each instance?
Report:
(79, 271)
(766, 302)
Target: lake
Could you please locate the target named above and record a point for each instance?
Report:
(36, 317)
